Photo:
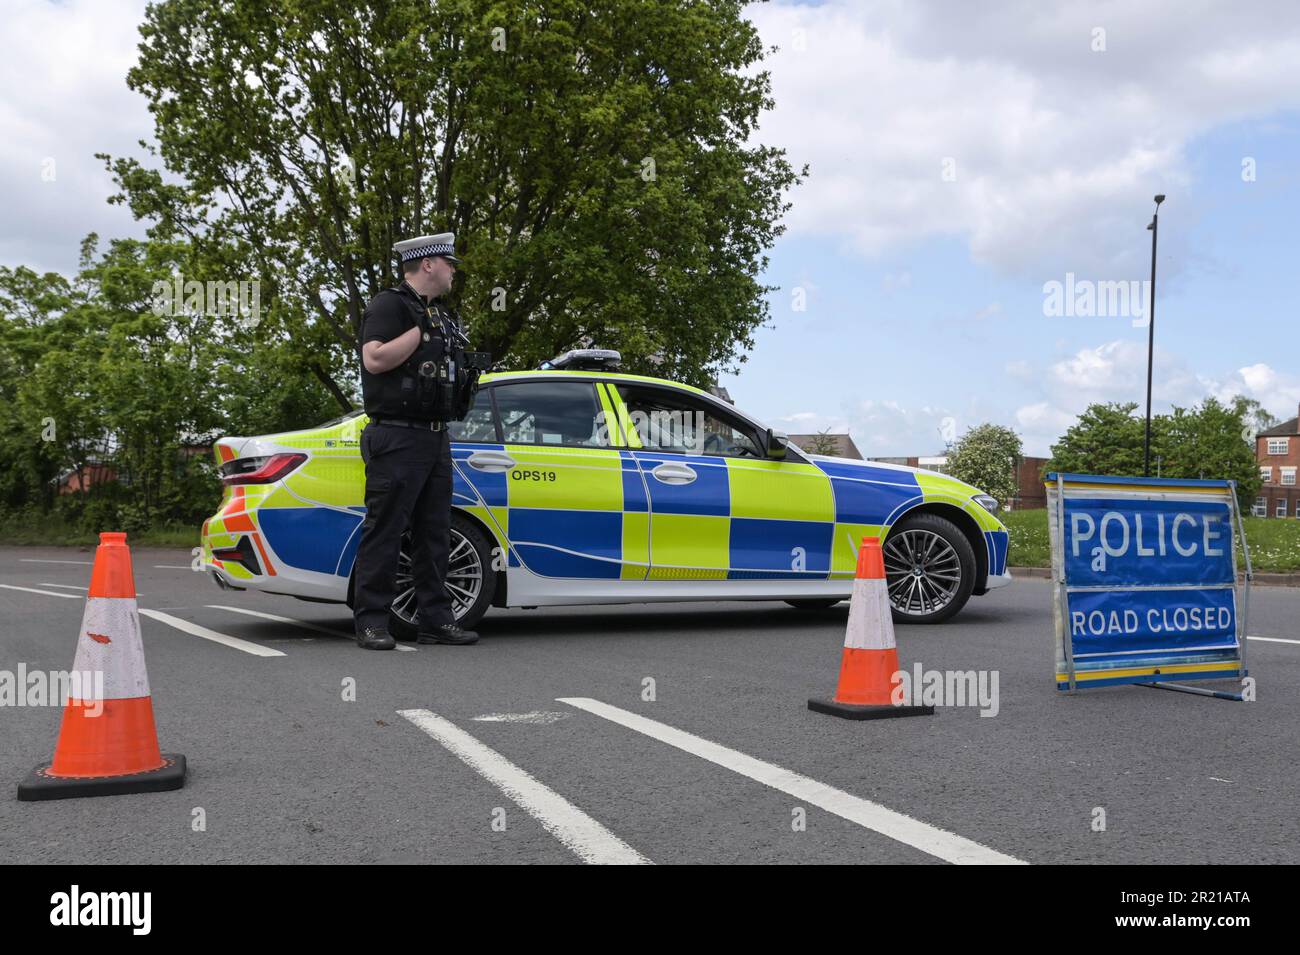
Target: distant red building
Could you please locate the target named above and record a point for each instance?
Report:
(1277, 450)
(1029, 483)
(78, 480)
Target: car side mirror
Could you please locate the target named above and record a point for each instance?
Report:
(777, 442)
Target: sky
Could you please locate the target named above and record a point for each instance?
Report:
(964, 161)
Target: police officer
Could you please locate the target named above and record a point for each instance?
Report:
(413, 380)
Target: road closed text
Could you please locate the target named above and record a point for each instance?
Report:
(1158, 620)
(1164, 619)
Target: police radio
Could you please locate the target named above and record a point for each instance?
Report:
(447, 387)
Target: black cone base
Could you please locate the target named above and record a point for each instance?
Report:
(850, 711)
(40, 785)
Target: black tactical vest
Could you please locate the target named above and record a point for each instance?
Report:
(422, 387)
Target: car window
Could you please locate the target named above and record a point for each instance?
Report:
(479, 425)
(670, 421)
(551, 412)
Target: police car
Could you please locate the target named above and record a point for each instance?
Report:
(577, 484)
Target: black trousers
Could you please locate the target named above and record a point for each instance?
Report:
(408, 484)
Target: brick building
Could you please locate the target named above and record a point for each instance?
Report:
(1277, 450)
(1030, 493)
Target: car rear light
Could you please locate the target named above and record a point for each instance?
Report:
(260, 470)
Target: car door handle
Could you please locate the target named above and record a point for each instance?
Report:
(674, 474)
(492, 461)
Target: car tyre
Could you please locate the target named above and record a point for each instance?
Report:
(471, 580)
(929, 568)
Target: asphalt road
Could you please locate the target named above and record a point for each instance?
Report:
(285, 769)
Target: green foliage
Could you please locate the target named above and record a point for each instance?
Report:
(1209, 440)
(94, 374)
(592, 157)
(1106, 439)
(986, 457)
(1027, 542)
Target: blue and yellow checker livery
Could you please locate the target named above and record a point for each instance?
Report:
(571, 520)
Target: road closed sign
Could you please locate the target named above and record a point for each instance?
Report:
(1145, 580)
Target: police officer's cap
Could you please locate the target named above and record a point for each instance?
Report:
(428, 246)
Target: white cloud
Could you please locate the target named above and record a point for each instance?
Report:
(1277, 391)
(63, 68)
(1116, 371)
(889, 428)
(1057, 148)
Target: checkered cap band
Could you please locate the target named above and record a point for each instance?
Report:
(442, 248)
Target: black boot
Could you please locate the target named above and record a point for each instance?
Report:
(375, 638)
(448, 633)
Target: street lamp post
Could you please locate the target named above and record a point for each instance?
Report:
(1151, 334)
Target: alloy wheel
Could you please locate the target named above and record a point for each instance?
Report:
(923, 571)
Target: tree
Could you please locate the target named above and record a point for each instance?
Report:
(96, 372)
(28, 303)
(823, 443)
(592, 157)
(1256, 416)
(1209, 440)
(1107, 439)
(987, 456)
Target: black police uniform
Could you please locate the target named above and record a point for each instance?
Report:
(407, 451)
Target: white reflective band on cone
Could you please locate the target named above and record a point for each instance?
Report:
(121, 658)
(871, 625)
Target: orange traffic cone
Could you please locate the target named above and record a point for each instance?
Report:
(108, 744)
(870, 657)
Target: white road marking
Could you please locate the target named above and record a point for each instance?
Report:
(33, 590)
(870, 815)
(222, 638)
(1274, 640)
(304, 624)
(46, 583)
(173, 567)
(587, 838)
(540, 717)
(37, 560)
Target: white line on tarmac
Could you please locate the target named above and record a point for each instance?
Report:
(37, 560)
(870, 815)
(225, 639)
(1274, 640)
(591, 841)
(33, 590)
(46, 583)
(306, 625)
(538, 717)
